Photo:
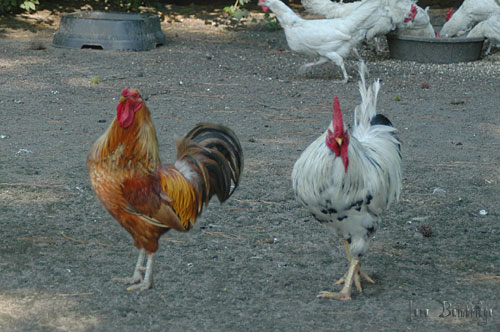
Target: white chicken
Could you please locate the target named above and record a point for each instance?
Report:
(331, 39)
(348, 179)
(419, 26)
(467, 16)
(489, 29)
(415, 24)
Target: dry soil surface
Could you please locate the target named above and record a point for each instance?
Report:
(257, 262)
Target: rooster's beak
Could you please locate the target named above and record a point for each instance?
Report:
(122, 99)
(338, 140)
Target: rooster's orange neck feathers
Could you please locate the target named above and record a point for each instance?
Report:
(338, 141)
(131, 137)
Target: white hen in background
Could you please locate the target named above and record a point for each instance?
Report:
(419, 25)
(330, 9)
(331, 39)
(489, 29)
(348, 179)
(467, 16)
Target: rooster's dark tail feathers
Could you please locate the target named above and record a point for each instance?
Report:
(215, 153)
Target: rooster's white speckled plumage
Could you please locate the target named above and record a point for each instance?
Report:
(351, 198)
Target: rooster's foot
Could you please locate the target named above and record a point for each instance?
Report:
(353, 275)
(341, 296)
(128, 281)
(357, 279)
(144, 285)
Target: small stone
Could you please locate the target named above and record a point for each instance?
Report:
(438, 191)
(269, 240)
(37, 45)
(483, 212)
(26, 151)
(425, 230)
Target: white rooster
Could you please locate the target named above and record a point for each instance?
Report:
(489, 29)
(415, 24)
(348, 179)
(467, 16)
(331, 39)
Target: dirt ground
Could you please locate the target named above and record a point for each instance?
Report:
(257, 262)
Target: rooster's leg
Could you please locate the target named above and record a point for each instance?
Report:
(348, 254)
(147, 283)
(360, 273)
(136, 277)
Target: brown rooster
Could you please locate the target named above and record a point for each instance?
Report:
(149, 199)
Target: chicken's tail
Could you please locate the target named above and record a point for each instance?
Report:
(214, 153)
(367, 110)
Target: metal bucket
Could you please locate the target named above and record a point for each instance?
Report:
(434, 50)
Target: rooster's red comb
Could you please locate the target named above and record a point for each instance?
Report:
(336, 104)
(338, 124)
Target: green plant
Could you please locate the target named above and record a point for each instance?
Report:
(29, 5)
(235, 11)
(128, 5)
(95, 80)
(271, 22)
(9, 6)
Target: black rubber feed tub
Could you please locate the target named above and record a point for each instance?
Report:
(109, 31)
(434, 50)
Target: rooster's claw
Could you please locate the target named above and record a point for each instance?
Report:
(128, 281)
(341, 296)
